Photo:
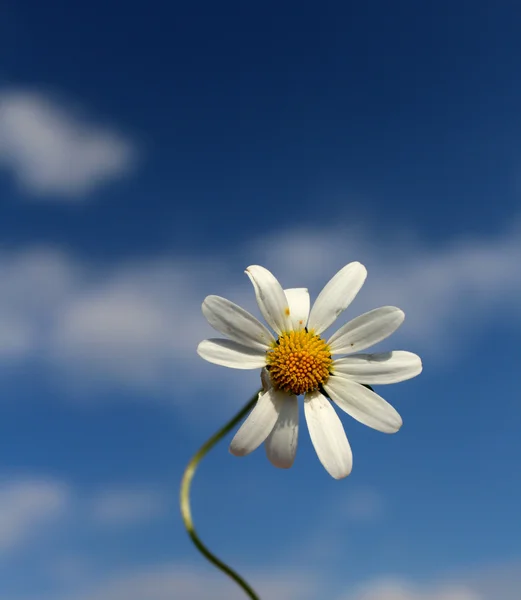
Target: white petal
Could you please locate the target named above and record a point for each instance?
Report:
(328, 435)
(236, 323)
(266, 380)
(270, 298)
(258, 424)
(298, 300)
(387, 367)
(363, 404)
(336, 296)
(281, 445)
(231, 354)
(366, 330)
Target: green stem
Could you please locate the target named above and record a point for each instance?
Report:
(186, 512)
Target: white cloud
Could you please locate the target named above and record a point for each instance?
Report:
(137, 325)
(439, 287)
(162, 582)
(186, 582)
(497, 581)
(133, 324)
(30, 507)
(125, 506)
(53, 150)
(26, 506)
(397, 590)
(486, 582)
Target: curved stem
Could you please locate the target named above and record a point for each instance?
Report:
(186, 512)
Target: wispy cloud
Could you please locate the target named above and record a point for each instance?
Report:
(441, 287)
(487, 582)
(37, 507)
(26, 505)
(124, 506)
(47, 508)
(189, 583)
(363, 505)
(136, 325)
(159, 582)
(29, 504)
(399, 590)
(54, 151)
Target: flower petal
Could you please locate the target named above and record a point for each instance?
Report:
(298, 300)
(270, 298)
(363, 404)
(236, 323)
(366, 330)
(328, 435)
(231, 354)
(258, 424)
(266, 380)
(336, 296)
(281, 445)
(385, 367)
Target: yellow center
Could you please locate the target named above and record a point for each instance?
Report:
(299, 362)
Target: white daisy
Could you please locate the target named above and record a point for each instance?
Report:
(297, 360)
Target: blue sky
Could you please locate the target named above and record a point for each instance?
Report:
(148, 155)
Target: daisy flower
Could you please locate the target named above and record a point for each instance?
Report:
(296, 360)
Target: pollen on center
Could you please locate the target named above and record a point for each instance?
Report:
(299, 362)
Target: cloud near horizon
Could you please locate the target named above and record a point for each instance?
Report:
(41, 507)
(403, 590)
(189, 582)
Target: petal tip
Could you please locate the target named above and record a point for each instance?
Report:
(342, 474)
(236, 451)
(396, 310)
(361, 268)
(281, 465)
(251, 268)
(396, 426)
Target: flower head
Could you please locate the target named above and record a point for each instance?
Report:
(297, 360)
